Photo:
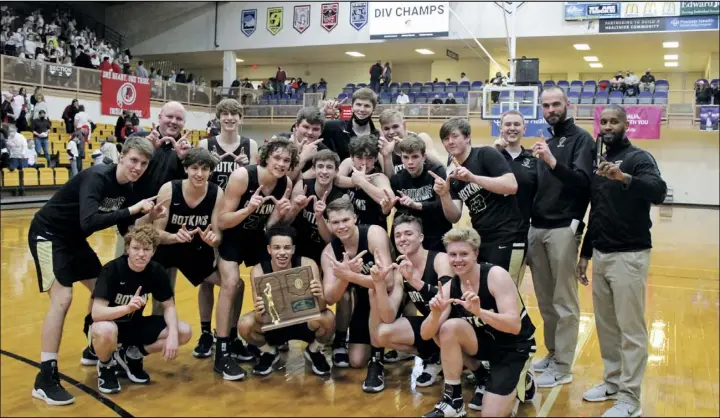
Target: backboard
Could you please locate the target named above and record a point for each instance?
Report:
(497, 100)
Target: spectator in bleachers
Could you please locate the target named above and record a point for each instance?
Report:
(496, 81)
(39, 105)
(618, 82)
(632, 84)
(105, 65)
(463, 78)
(437, 100)
(180, 77)
(33, 99)
(127, 130)
(84, 60)
(387, 76)
(450, 99)
(402, 98)
(97, 157)
(116, 68)
(73, 147)
(703, 93)
(7, 111)
(40, 129)
(30, 156)
(109, 149)
(17, 146)
(376, 71)
(322, 83)
(19, 106)
(647, 81)
(126, 58)
(81, 118)
(68, 116)
(280, 77)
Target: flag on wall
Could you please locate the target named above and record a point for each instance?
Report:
(329, 16)
(301, 18)
(274, 19)
(125, 92)
(249, 21)
(358, 14)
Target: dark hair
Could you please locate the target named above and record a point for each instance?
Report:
(201, 157)
(456, 123)
(411, 144)
(621, 110)
(280, 230)
(365, 145)
(404, 218)
(312, 115)
(275, 144)
(340, 204)
(326, 155)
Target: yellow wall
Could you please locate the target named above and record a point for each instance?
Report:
(711, 71)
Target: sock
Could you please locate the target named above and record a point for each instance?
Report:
(221, 345)
(268, 349)
(47, 356)
(86, 325)
(481, 374)
(233, 334)
(134, 353)
(314, 346)
(105, 364)
(205, 326)
(377, 354)
(340, 339)
(453, 390)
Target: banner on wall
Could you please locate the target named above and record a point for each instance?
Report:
(249, 21)
(589, 10)
(329, 16)
(125, 92)
(301, 18)
(659, 24)
(401, 20)
(345, 112)
(533, 127)
(644, 121)
(358, 14)
(709, 118)
(274, 20)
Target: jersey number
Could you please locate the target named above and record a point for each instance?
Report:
(222, 181)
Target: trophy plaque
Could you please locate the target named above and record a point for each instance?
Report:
(287, 297)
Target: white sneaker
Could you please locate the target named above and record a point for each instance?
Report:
(429, 374)
(544, 363)
(600, 393)
(623, 409)
(549, 379)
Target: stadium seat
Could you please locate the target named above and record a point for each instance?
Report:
(62, 175)
(587, 97)
(630, 100)
(590, 86)
(616, 97)
(11, 178)
(574, 97)
(601, 97)
(660, 98)
(662, 86)
(645, 97)
(47, 177)
(476, 86)
(563, 84)
(451, 87)
(30, 177)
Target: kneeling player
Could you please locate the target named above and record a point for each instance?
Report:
(318, 332)
(479, 315)
(119, 298)
(418, 277)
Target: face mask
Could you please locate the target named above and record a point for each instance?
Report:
(361, 122)
(42, 116)
(647, 73)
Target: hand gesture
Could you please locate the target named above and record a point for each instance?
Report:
(159, 210)
(329, 108)
(441, 186)
(542, 150)
(316, 288)
(386, 147)
(301, 201)
(283, 206)
(320, 205)
(208, 235)
(581, 271)
(181, 146)
(308, 148)
(500, 144)
(154, 137)
(143, 206)
(406, 201)
(379, 272)
(356, 263)
(440, 302)
(470, 301)
(256, 200)
(358, 176)
(406, 268)
(463, 174)
(183, 235)
(610, 171)
(137, 302)
(170, 350)
(388, 202)
(242, 158)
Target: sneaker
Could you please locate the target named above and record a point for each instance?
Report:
(600, 393)
(429, 375)
(239, 351)
(550, 379)
(340, 357)
(88, 357)
(477, 398)
(530, 387)
(265, 363)
(254, 350)
(107, 380)
(285, 347)
(375, 380)
(133, 367)
(228, 368)
(544, 363)
(48, 388)
(318, 362)
(623, 409)
(204, 347)
(448, 408)
(394, 356)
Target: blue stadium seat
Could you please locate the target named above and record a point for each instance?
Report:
(563, 84)
(405, 87)
(451, 87)
(439, 87)
(427, 87)
(590, 86)
(460, 97)
(601, 97)
(464, 86)
(574, 97)
(476, 85)
(645, 97)
(630, 100)
(587, 97)
(615, 97)
(660, 97)
(416, 87)
(662, 86)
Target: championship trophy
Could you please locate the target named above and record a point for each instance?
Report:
(287, 297)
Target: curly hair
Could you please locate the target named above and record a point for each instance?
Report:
(365, 145)
(145, 235)
(278, 144)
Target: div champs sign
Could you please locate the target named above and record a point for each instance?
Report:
(125, 92)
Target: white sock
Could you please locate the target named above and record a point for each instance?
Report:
(452, 382)
(268, 349)
(134, 353)
(47, 356)
(314, 346)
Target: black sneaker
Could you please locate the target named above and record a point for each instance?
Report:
(88, 357)
(431, 370)
(107, 380)
(204, 347)
(448, 408)
(375, 380)
(340, 357)
(477, 399)
(265, 363)
(530, 387)
(239, 351)
(318, 362)
(48, 387)
(394, 356)
(228, 368)
(133, 368)
(253, 350)
(285, 347)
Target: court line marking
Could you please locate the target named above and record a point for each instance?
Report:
(552, 397)
(79, 385)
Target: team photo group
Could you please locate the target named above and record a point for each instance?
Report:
(365, 220)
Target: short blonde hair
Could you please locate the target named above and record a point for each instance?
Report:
(145, 235)
(390, 115)
(468, 235)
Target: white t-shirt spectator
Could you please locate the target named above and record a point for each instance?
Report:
(110, 151)
(82, 118)
(632, 79)
(73, 148)
(30, 154)
(403, 98)
(17, 145)
(464, 79)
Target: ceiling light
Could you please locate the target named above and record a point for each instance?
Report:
(671, 44)
(590, 58)
(671, 64)
(424, 51)
(354, 54)
(239, 60)
(596, 65)
(671, 57)
(582, 47)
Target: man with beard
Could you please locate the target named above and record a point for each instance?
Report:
(420, 271)
(317, 332)
(524, 167)
(96, 199)
(564, 171)
(346, 264)
(256, 196)
(338, 133)
(393, 133)
(627, 181)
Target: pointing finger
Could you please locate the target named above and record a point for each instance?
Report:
(435, 176)
(325, 195)
(137, 292)
(360, 255)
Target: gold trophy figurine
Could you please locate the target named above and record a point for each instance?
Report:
(274, 316)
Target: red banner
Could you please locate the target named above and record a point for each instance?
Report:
(345, 112)
(125, 92)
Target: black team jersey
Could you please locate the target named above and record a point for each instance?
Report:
(225, 167)
(421, 298)
(361, 292)
(91, 201)
(309, 242)
(524, 166)
(496, 217)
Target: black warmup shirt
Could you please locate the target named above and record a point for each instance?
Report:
(338, 133)
(117, 283)
(524, 166)
(225, 167)
(91, 201)
(164, 166)
(496, 217)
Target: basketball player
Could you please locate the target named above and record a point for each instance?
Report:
(484, 181)
(189, 233)
(306, 137)
(393, 132)
(565, 164)
(337, 134)
(97, 198)
(346, 264)
(524, 167)
(120, 334)
(479, 315)
(256, 196)
(417, 279)
(626, 182)
(317, 332)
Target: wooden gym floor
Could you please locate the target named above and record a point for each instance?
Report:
(681, 378)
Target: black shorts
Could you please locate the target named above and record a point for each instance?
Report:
(140, 331)
(425, 348)
(507, 372)
(195, 264)
(278, 337)
(68, 261)
(243, 247)
(502, 255)
(359, 329)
